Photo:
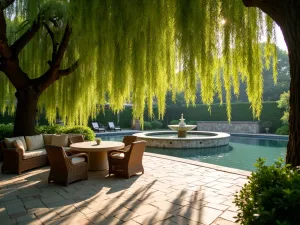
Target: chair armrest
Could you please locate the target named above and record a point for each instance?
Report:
(79, 155)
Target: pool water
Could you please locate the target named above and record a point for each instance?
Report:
(241, 153)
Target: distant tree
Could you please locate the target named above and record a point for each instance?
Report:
(284, 103)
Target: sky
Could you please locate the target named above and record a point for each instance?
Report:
(279, 39)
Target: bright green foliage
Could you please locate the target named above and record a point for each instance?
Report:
(138, 50)
(156, 124)
(284, 103)
(284, 130)
(88, 134)
(147, 125)
(272, 196)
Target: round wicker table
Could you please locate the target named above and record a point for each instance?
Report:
(97, 153)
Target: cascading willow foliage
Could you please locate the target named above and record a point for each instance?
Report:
(138, 50)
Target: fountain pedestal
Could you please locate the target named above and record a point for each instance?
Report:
(182, 128)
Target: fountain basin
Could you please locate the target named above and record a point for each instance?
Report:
(195, 139)
(181, 130)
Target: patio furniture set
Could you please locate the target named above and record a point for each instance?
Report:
(70, 157)
(100, 128)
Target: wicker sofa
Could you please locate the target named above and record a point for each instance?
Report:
(24, 153)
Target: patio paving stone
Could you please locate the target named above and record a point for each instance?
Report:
(170, 192)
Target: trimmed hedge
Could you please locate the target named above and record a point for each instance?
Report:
(240, 112)
(284, 130)
(87, 132)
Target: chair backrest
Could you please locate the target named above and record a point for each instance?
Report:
(95, 125)
(136, 152)
(76, 139)
(111, 125)
(128, 140)
(57, 158)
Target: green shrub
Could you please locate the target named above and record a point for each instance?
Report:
(284, 130)
(174, 122)
(52, 129)
(88, 134)
(272, 196)
(192, 122)
(156, 124)
(147, 125)
(6, 130)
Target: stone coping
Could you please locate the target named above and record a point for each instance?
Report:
(202, 164)
(210, 135)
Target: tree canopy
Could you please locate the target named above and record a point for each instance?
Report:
(138, 50)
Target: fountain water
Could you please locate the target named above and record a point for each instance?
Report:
(182, 138)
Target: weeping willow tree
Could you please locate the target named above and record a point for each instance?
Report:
(74, 56)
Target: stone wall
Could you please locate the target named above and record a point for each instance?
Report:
(250, 127)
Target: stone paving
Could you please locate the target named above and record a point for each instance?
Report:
(170, 192)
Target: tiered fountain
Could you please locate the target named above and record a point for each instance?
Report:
(182, 138)
(182, 128)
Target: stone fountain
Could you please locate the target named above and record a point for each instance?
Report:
(182, 128)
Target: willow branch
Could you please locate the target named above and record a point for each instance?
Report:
(54, 44)
(54, 73)
(5, 51)
(27, 36)
(63, 46)
(68, 71)
(6, 4)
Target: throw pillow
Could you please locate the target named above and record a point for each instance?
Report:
(60, 140)
(35, 142)
(19, 144)
(47, 139)
(9, 142)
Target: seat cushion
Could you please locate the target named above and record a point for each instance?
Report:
(34, 153)
(9, 142)
(47, 139)
(77, 160)
(118, 156)
(19, 144)
(34, 142)
(60, 140)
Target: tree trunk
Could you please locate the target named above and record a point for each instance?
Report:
(292, 37)
(26, 111)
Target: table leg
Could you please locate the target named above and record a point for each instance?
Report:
(98, 161)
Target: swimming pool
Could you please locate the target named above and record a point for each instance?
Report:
(241, 153)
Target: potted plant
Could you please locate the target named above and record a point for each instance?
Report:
(266, 125)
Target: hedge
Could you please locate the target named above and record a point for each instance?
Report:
(239, 112)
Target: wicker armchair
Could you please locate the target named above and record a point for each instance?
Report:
(76, 139)
(127, 162)
(66, 169)
(128, 140)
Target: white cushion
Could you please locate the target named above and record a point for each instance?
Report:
(77, 160)
(47, 139)
(19, 144)
(60, 140)
(34, 142)
(118, 156)
(34, 153)
(9, 142)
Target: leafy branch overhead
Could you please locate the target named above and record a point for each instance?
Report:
(137, 51)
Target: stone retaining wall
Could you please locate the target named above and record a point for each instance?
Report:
(250, 127)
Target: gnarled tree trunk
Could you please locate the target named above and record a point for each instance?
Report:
(286, 13)
(25, 118)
